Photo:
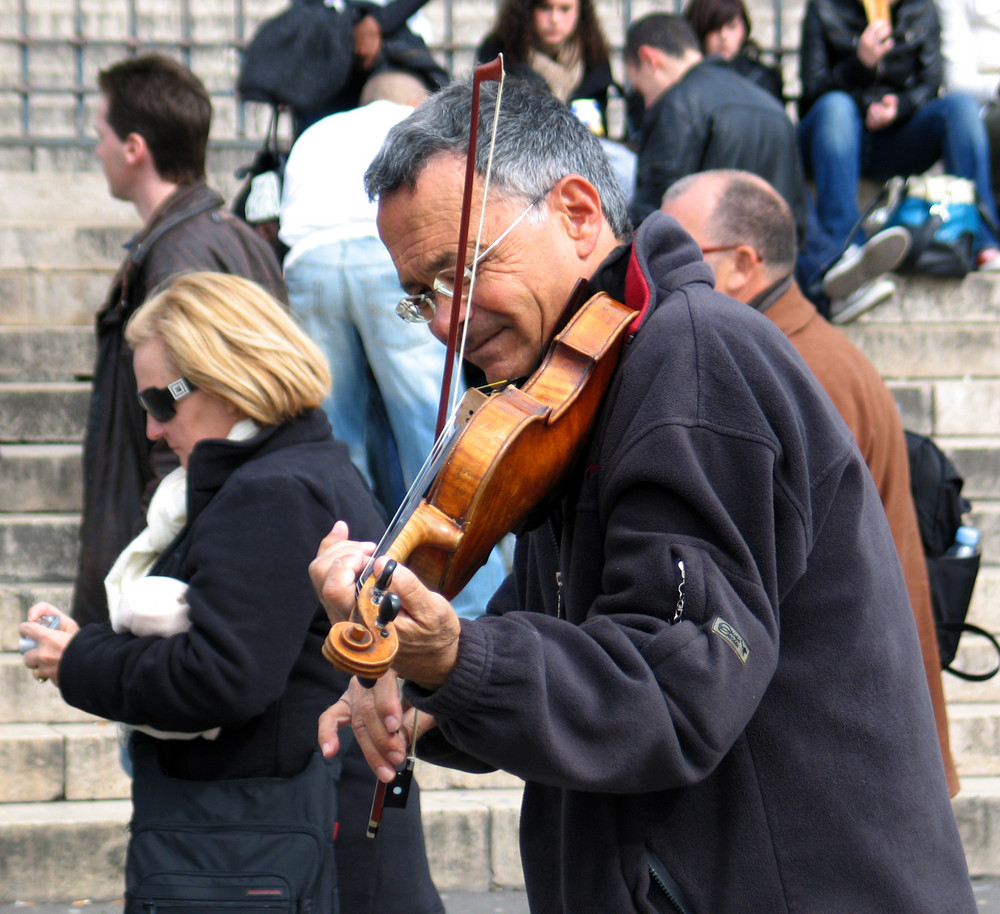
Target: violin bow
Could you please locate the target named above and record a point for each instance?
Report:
(487, 72)
(396, 792)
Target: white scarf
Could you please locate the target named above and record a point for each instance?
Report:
(145, 604)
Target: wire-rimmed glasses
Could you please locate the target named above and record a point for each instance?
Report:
(421, 307)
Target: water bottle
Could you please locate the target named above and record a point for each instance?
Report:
(966, 543)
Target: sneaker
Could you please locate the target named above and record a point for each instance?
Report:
(860, 265)
(845, 310)
(988, 261)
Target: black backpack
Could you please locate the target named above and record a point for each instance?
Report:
(937, 495)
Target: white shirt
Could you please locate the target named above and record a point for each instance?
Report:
(323, 199)
(970, 45)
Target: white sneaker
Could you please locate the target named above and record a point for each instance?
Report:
(845, 310)
(860, 265)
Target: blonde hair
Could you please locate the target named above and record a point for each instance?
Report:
(234, 340)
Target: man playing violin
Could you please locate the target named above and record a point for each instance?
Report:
(703, 664)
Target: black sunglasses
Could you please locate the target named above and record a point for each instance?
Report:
(159, 401)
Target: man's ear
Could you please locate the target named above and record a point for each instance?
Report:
(648, 55)
(745, 260)
(136, 149)
(740, 273)
(577, 204)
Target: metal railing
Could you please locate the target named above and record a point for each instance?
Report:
(52, 50)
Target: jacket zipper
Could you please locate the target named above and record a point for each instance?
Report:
(680, 575)
(662, 879)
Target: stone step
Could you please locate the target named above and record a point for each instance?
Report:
(53, 296)
(43, 762)
(984, 609)
(978, 461)
(43, 412)
(45, 246)
(38, 547)
(41, 477)
(43, 353)
(974, 728)
(16, 599)
(25, 700)
(71, 849)
(64, 850)
(977, 811)
(975, 655)
(58, 851)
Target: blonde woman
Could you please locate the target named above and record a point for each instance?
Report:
(233, 386)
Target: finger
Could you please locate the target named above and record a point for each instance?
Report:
(337, 534)
(330, 722)
(388, 703)
(382, 750)
(42, 609)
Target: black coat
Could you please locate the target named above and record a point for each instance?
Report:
(190, 231)
(251, 661)
(912, 70)
(714, 118)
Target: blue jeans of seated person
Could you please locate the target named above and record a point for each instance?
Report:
(344, 295)
(838, 151)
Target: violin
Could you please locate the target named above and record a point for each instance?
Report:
(510, 450)
(517, 446)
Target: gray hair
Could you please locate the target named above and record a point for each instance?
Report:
(539, 142)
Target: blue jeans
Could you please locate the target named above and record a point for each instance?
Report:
(838, 151)
(344, 296)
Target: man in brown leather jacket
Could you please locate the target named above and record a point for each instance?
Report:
(153, 124)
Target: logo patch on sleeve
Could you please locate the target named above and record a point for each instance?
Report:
(732, 637)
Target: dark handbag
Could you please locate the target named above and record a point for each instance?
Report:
(404, 50)
(300, 58)
(242, 846)
(942, 214)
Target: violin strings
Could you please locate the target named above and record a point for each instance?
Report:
(413, 495)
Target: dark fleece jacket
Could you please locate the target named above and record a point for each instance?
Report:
(729, 684)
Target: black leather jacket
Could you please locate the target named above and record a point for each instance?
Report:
(912, 70)
(715, 118)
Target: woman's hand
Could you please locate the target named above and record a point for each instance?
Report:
(44, 659)
(875, 42)
(882, 113)
(367, 42)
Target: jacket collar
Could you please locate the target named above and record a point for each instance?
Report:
(663, 258)
(214, 460)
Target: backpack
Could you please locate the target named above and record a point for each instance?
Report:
(937, 495)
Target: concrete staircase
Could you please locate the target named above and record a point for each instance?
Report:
(64, 801)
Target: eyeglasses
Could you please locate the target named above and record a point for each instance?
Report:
(718, 249)
(160, 402)
(421, 308)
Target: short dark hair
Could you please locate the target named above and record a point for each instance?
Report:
(664, 31)
(158, 98)
(708, 16)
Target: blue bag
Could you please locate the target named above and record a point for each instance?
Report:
(942, 214)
